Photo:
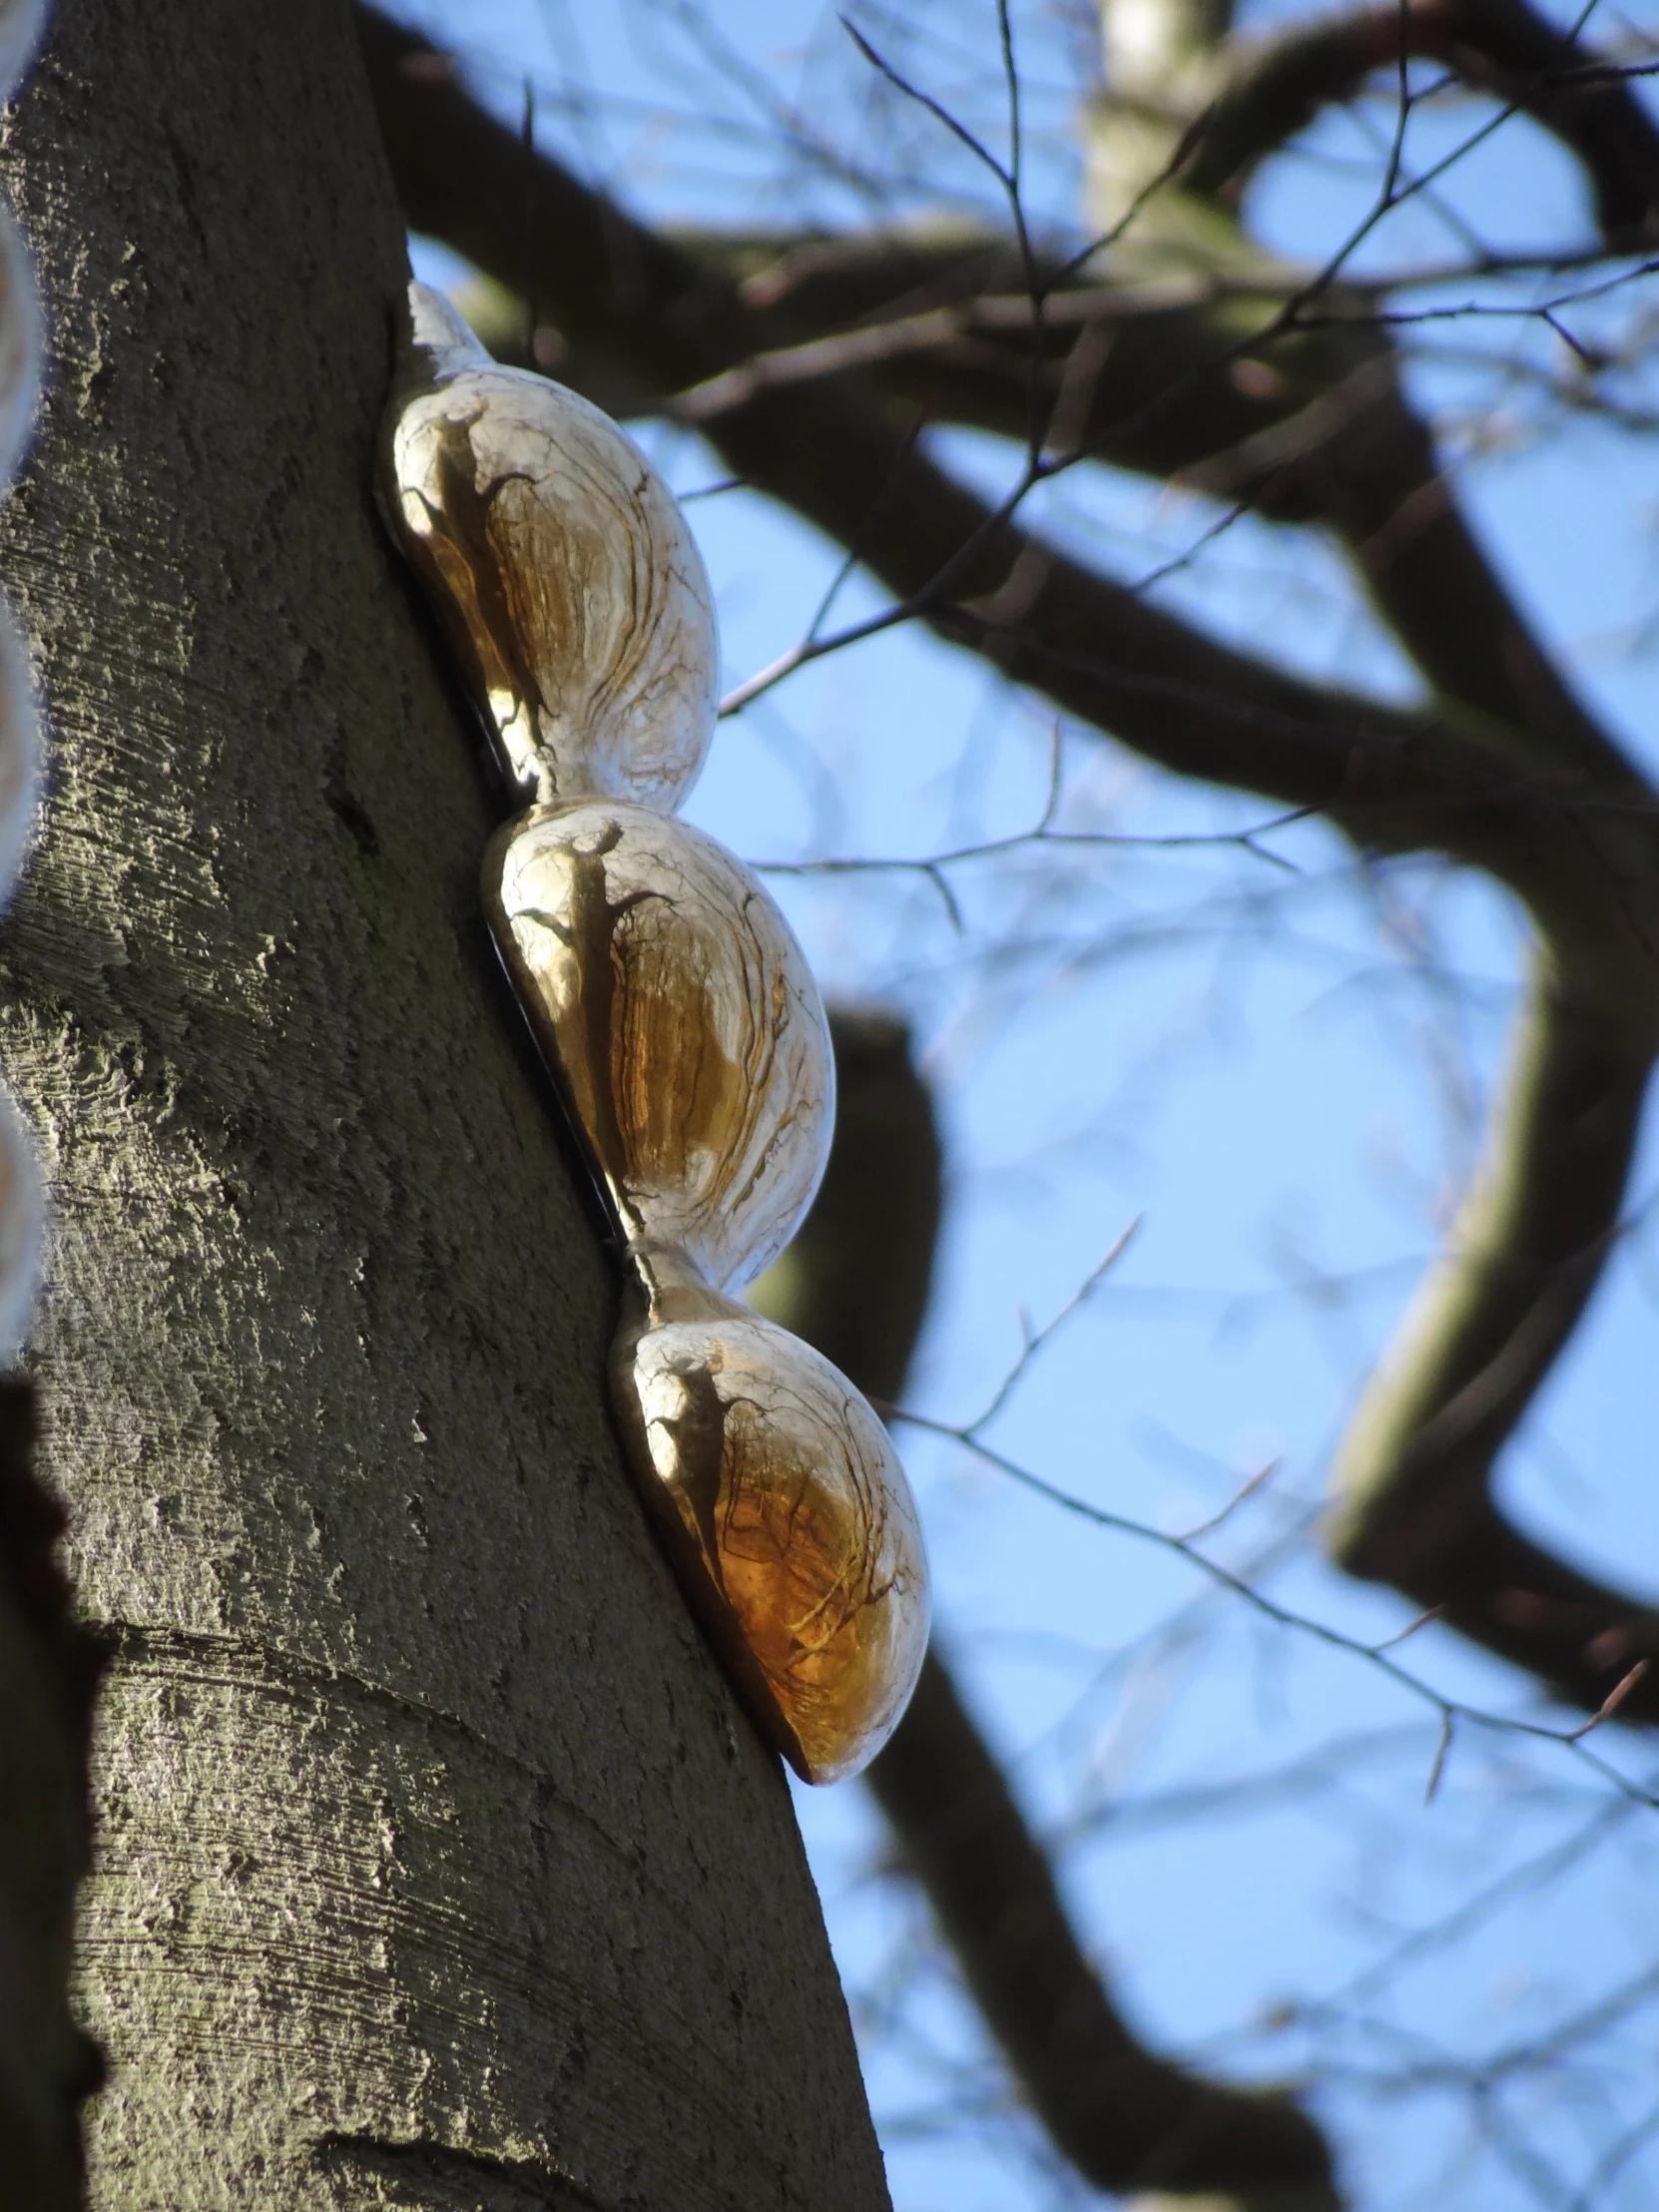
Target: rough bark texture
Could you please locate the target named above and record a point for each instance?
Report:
(436, 1867)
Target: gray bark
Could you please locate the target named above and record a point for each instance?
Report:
(436, 1867)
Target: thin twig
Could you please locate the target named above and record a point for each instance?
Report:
(1458, 1709)
(1036, 1340)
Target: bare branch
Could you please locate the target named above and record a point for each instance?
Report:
(854, 1284)
(1037, 1338)
(1270, 88)
(1412, 1477)
(1509, 775)
(1126, 2119)
(1224, 1577)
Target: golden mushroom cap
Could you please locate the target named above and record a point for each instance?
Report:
(791, 1522)
(563, 571)
(680, 1019)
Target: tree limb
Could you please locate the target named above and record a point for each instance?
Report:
(1412, 1477)
(1508, 775)
(644, 315)
(1272, 87)
(854, 1283)
(437, 1864)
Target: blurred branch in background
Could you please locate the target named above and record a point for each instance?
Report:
(1172, 343)
(854, 1283)
(1507, 770)
(1266, 89)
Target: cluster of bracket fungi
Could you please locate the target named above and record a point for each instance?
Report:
(21, 25)
(678, 1019)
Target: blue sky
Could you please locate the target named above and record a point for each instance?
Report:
(1280, 1072)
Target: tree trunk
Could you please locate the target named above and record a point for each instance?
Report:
(436, 1867)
